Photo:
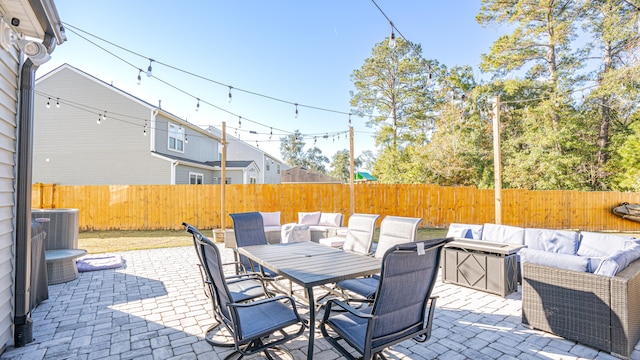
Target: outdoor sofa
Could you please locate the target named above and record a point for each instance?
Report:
(582, 286)
(321, 224)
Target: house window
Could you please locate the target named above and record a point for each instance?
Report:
(268, 167)
(195, 178)
(176, 137)
(252, 180)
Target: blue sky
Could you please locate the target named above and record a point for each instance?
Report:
(297, 51)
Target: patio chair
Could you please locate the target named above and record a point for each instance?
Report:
(249, 230)
(360, 231)
(255, 326)
(403, 307)
(244, 287)
(394, 230)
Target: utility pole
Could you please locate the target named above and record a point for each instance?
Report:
(223, 174)
(352, 196)
(497, 160)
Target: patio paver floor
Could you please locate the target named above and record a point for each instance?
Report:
(155, 308)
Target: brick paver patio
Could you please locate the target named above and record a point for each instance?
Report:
(155, 308)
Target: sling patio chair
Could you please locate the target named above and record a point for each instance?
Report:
(242, 287)
(360, 232)
(394, 230)
(249, 230)
(403, 307)
(256, 326)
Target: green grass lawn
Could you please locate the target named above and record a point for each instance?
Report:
(97, 242)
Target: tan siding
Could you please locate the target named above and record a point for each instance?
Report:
(114, 152)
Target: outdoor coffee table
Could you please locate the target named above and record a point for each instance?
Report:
(309, 264)
(482, 265)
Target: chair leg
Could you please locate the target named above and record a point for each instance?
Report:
(218, 340)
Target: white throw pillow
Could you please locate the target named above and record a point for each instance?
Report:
(309, 218)
(330, 219)
(270, 218)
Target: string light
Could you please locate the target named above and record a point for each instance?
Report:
(296, 114)
(144, 131)
(270, 133)
(99, 119)
(49, 103)
(239, 121)
(58, 103)
(315, 140)
(104, 116)
(149, 68)
(186, 140)
(258, 146)
(139, 77)
(349, 119)
(198, 105)
(230, 87)
(392, 37)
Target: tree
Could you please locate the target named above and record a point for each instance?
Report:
(613, 25)
(540, 149)
(391, 88)
(291, 149)
(314, 160)
(341, 165)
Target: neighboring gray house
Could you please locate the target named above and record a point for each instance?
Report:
(100, 134)
(29, 32)
(239, 150)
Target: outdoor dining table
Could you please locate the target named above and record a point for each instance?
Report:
(309, 265)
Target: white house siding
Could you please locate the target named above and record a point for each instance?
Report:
(113, 152)
(9, 67)
(200, 146)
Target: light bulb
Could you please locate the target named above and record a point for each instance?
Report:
(296, 114)
(198, 105)
(239, 121)
(149, 68)
(392, 38)
(49, 103)
(99, 119)
(139, 77)
(186, 140)
(58, 103)
(230, 87)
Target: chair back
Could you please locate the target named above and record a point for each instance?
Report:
(360, 233)
(249, 230)
(195, 232)
(407, 278)
(212, 263)
(395, 230)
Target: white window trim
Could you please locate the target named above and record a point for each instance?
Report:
(180, 131)
(197, 175)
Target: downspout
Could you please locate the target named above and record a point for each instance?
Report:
(22, 319)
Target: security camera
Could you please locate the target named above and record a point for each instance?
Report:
(35, 51)
(15, 22)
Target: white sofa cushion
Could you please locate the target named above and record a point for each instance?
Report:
(270, 218)
(594, 244)
(309, 218)
(556, 260)
(330, 219)
(616, 262)
(468, 231)
(557, 241)
(503, 233)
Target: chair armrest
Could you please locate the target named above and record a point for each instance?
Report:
(263, 301)
(247, 276)
(346, 307)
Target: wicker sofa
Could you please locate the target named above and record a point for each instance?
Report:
(595, 310)
(582, 286)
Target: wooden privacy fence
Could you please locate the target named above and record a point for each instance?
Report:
(150, 207)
